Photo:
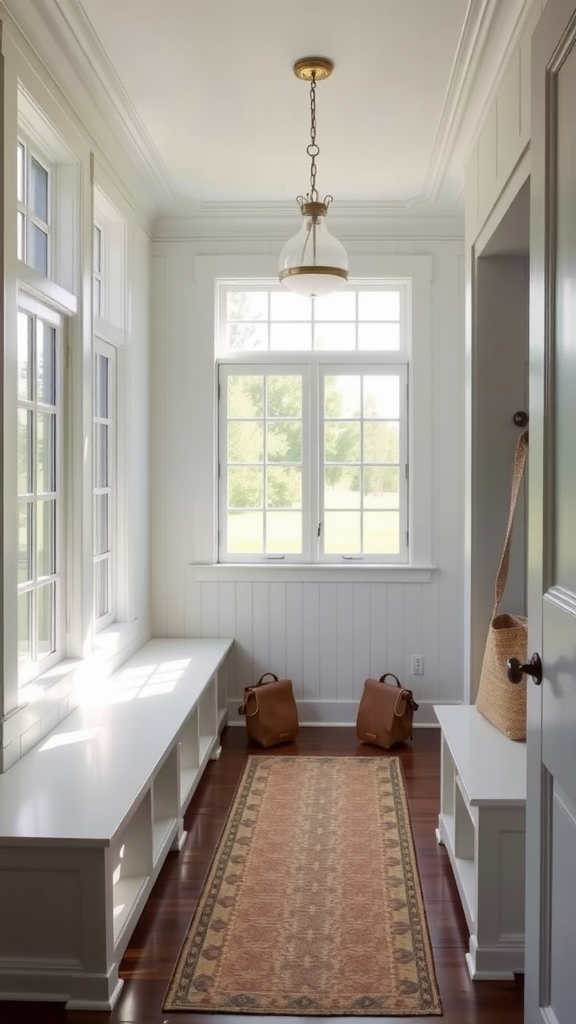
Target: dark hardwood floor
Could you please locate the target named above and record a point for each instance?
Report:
(151, 955)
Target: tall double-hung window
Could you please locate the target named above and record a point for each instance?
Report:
(110, 325)
(40, 489)
(313, 424)
(104, 518)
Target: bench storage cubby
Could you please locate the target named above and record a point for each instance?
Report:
(88, 816)
(482, 824)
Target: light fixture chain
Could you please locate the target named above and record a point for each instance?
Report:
(313, 150)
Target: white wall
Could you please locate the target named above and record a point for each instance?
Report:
(496, 221)
(326, 635)
(22, 725)
(500, 389)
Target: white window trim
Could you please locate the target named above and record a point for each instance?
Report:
(62, 285)
(204, 516)
(112, 321)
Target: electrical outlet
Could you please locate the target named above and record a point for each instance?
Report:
(417, 664)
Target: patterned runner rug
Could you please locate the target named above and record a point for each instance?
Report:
(313, 904)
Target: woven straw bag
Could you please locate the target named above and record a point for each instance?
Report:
(501, 702)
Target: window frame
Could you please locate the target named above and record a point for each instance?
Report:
(104, 349)
(309, 362)
(384, 367)
(200, 446)
(110, 334)
(313, 425)
(98, 270)
(276, 367)
(24, 207)
(37, 667)
(400, 286)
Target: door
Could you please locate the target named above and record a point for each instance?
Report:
(550, 980)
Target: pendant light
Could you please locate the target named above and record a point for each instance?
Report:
(313, 262)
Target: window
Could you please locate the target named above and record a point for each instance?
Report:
(109, 269)
(104, 483)
(313, 424)
(97, 270)
(34, 198)
(40, 494)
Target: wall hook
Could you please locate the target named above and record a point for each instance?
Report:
(521, 418)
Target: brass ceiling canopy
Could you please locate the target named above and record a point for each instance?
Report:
(317, 68)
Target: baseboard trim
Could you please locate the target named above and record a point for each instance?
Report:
(340, 713)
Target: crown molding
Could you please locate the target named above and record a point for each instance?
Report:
(270, 224)
(340, 210)
(484, 49)
(62, 37)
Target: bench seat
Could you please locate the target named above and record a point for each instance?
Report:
(88, 816)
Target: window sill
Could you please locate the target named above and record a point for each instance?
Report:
(110, 648)
(239, 572)
(46, 290)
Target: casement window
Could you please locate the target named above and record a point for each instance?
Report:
(104, 483)
(34, 196)
(41, 505)
(313, 424)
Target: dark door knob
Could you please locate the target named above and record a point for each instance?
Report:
(515, 669)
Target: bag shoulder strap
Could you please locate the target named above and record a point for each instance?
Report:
(392, 676)
(517, 475)
(249, 691)
(262, 681)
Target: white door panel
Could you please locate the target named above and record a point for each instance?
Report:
(550, 983)
(563, 907)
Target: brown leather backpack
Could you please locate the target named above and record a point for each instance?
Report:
(271, 712)
(385, 713)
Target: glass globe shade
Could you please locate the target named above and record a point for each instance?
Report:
(313, 262)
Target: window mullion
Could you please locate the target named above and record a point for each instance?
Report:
(315, 462)
(222, 472)
(265, 466)
(404, 469)
(361, 466)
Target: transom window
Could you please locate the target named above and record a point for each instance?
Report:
(40, 498)
(34, 198)
(357, 320)
(313, 425)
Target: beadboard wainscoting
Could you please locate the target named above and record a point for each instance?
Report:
(328, 637)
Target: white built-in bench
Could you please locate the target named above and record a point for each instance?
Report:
(88, 817)
(482, 824)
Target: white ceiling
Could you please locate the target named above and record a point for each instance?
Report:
(207, 93)
(213, 84)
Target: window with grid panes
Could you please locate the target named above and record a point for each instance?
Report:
(40, 493)
(33, 201)
(97, 270)
(313, 424)
(104, 482)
